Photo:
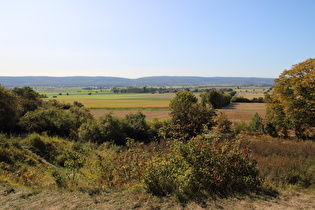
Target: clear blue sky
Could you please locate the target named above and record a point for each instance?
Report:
(137, 38)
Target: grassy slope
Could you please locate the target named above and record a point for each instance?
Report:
(294, 159)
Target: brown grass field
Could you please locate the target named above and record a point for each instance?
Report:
(90, 103)
(235, 112)
(244, 111)
(150, 115)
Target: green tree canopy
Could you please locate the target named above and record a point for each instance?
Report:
(292, 103)
(9, 109)
(215, 98)
(28, 99)
(189, 114)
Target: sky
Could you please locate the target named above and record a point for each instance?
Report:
(139, 38)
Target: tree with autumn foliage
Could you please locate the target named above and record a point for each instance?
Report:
(292, 103)
(189, 115)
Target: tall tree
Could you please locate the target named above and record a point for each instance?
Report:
(189, 114)
(292, 103)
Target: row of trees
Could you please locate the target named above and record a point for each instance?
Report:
(246, 100)
(139, 90)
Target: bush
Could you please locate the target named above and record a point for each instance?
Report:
(189, 115)
(270, 129)
(241, 127)
(255, 124)
(9, 110)
(106, 128)
(223, 123)
(52, 120)
(240, 99)
(136, 126)
(201, 167)
(43, 146)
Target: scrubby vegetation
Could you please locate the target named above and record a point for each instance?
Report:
(196, 154)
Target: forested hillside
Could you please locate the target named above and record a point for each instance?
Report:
(116, 81)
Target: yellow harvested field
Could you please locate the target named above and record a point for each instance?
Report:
(158, 96)
(119, 103)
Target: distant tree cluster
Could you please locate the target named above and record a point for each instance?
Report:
(216, 99)
(139, 90)
(243, 99)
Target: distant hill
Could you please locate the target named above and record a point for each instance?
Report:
(79, 81)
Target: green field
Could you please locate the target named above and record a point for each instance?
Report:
(98, 99)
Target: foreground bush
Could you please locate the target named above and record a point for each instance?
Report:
(201, 167)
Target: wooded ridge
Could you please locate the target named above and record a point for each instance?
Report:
(74, 81)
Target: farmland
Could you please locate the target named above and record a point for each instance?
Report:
(102, 101)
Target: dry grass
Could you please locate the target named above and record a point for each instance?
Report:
(235, 112)
(150, 115)
(244, 111)
(135, 199)
(285, 162)
(90, 103)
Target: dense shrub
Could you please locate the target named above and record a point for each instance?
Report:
(155, 126)
(201, 167)
(52, 120)
(9, 110)
(136, 126)
(223, 124)
(11, 153)
(216, 99)
(43, 146)
(241, 127)
(270, 129)
(254, 126)
(28, 99)
(255, 123)
(106, 128)
(189, 116)
(240, 99)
